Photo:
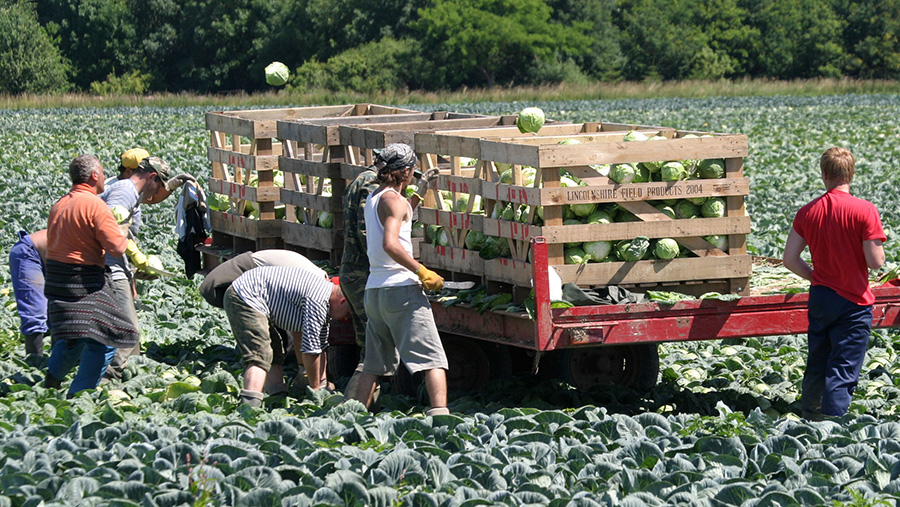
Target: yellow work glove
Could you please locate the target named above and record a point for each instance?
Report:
(137, 257)
(430, 280)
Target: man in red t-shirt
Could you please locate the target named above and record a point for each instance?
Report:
(844, 235)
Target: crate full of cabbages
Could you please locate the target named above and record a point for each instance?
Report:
(626, 205)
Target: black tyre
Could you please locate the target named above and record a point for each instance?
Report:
(342, 361)
(635, 366)
(472, 364)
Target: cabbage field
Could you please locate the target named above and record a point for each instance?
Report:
(719, 428)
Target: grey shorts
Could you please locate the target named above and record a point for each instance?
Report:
(259, 343)
(401, 326)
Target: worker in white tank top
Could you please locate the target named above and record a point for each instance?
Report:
(400, 324)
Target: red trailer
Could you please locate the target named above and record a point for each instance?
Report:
(603, 344)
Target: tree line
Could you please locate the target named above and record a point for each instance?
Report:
(206, 46)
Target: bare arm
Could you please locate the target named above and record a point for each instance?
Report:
(392, 211)
(793, 247)
(874, 253)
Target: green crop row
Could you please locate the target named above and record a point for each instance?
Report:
(718, 429)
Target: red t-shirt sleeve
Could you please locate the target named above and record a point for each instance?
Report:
(873, 229)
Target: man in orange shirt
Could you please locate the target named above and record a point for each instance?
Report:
(85, 320)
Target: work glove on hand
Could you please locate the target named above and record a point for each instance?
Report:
(137, 257)
(430, 280)
(425, 180)
(176, 181)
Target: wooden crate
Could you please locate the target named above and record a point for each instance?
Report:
(244, 146)
(319, 157)
(601, 143)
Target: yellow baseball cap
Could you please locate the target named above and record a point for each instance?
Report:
(133, 157)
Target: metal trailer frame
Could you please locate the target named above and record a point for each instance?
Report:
(643, 323)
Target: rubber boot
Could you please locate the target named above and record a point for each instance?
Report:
(437, 411)
(34, 344)
(50, 382)
(252, 398)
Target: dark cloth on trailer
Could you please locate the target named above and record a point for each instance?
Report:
(609, 295)
(192, 224)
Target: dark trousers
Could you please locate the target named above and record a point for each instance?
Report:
(838, 337)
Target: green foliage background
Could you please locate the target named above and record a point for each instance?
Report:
(718, 429)
(365, 45)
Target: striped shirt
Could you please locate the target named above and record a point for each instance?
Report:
(294, 299)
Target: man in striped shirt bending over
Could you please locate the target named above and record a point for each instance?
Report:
(295, 299)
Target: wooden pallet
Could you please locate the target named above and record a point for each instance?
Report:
(321, 156)
(244, 152)
(711, 268)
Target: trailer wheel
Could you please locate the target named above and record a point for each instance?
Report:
(342, 361)
(635, 366)
(472, 364)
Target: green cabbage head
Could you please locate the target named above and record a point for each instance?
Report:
(632, 250)
(326, 220)
(673, 171)
(718, 241)
(665, 208)
(686, 209)
(597, 250)
(714, 207)
(711, 168)
(583, 209)
(622, 173)
(666, 248)
(531, 119)
(599, 217)
(277, 74)
(575, 255)
(475, 240)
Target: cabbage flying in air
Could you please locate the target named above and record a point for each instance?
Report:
(277, 74)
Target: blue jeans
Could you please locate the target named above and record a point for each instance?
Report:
(26, 270)
(95, 357)
(838, 338)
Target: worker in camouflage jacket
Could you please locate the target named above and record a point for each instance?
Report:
(354, 269)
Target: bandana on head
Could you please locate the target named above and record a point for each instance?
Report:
(395, 156)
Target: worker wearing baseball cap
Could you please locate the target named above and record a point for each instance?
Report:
(131, 159)
(150, 177)
(129, 162)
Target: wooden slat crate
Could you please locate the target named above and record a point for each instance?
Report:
(244, 146)
(707, 269)
(320, 162)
